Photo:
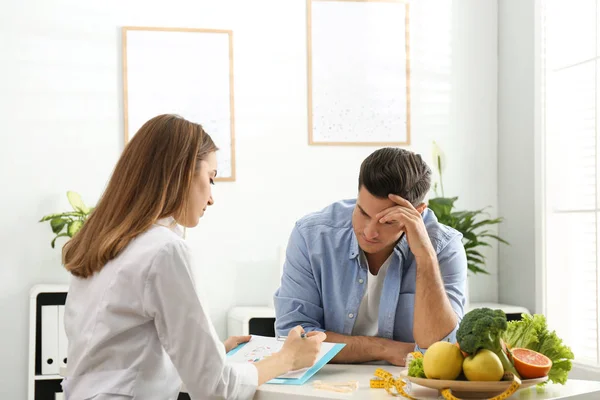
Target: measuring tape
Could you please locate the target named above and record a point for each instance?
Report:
(395, 387)
(386, 380)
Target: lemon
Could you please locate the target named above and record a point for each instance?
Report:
(483, 366)
(442, 360)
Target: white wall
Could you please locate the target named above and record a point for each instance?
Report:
(61, 101)
(516, 168)
(472, 141)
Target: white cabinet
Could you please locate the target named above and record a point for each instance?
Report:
(243, 321)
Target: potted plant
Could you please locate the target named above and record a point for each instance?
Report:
(68, 223)
(472, 224)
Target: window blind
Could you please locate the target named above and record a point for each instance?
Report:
(570, 111)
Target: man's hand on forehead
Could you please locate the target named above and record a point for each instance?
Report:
(410, 222)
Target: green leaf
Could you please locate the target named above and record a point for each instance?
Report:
(487, 222)
(472, 244)
(74, 227)
(476, 260)
(57, 224)
(76, 202)
(470, 236)
(441, 206)
(474, 253)
(496, 237)
(476, 270)
(463, 214)
(415, 368)
(57, 236)
(64, 214)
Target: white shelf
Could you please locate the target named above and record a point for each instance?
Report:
(507, 308)
(47, 377)
(32, 376)
(48, 288)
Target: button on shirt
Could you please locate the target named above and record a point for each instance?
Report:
(321, 286)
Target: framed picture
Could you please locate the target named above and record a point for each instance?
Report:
(358, 72)
(182, 71)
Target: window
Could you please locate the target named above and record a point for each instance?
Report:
(570, 100)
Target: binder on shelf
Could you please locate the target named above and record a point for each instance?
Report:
(62, 338)
(50, 364)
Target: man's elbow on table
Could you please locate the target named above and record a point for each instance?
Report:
(421, 344)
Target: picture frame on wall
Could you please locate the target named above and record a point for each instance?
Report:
(358, 55)
(183, 71)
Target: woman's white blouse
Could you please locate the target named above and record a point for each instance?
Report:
(137, 330)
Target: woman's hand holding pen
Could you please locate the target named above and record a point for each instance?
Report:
(300, 350)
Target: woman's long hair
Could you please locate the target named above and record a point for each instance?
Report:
(151, 181)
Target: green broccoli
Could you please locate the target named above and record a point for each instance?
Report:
(482, 328)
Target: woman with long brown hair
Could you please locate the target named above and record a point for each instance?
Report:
(135, 326)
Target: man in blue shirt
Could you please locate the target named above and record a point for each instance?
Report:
(378, 273)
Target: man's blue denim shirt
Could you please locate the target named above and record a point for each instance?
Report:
(324, 279)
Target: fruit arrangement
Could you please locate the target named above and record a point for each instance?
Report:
(489, 348)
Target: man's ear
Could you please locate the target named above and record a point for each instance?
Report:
(421, 207)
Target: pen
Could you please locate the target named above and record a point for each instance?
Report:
(302, 335)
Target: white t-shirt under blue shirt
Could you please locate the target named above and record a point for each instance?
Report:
(368, 313)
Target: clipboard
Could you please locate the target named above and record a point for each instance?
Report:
(260, 347)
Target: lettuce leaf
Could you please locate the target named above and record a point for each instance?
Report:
(415, 368)
(561, 355)
(525, 333)
(532, 333)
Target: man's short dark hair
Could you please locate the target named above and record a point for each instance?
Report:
(395, 171)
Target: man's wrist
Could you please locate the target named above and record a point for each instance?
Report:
(427, 257)
(395, 352)
(386, 349)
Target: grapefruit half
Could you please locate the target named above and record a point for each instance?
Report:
(530, 364)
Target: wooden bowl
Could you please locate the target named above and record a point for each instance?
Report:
(470, 389)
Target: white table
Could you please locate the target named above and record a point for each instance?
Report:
(574, 389)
